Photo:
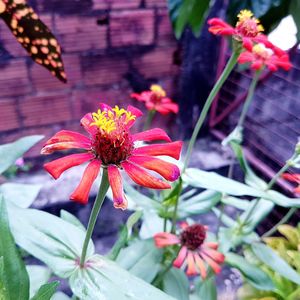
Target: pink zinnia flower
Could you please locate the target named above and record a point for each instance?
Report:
(247, 26)
(264, 54)
(293, 178)
(111, 145)
(194, 251)
(156, 100)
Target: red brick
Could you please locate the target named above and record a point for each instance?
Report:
(41, 110)
(132, 27)
(14, 78)
(166, 35)
(157, 63)
(44, 81)
(156, 3)
(103, 70)
(80, 33)
(9, 117)
(114, 4)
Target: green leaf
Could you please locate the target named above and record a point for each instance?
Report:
(9, 153)
(61, 241)
(282, 200)
(104, 279)
(241, 204)
(171, 199)
(207, 289)
(269, 257)
(142, 259)
(65, 215)
(198, 204)
(20, 194)
(132, 220)
(3, 290)
(46, 291)
(38, 275)
(252, 273)
(15, 277)
(216, 182)
(291, 233)
(176, 284)
(60, 296)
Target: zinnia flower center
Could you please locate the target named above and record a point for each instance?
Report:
(193, 236)
(157, 93)
(248, 25)
(112, 143)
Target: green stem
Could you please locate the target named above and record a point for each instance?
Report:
(149, 119)
(161, 275)
(282, 221)
(174, 218)
(226, 72)
(270, 185)
(249, 98)
(94, 214)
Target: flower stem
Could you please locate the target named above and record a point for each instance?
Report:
(94, 214)
(149, 119)
(249, 98)
(174, 218)
(282, 221)
(226, 72)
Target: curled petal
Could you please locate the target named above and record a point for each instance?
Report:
(167, 170)
(181, 257)
(257, 65)
(164, 239)
(246, 57)
(215, 255)
(86, 122)
(143, 97)
(135, 111)
(219, 27)
(191, 266)
(200, 264)
(165, 108)
(170, 149)
(212, 245)
(143, 178)
(297, 189)
(215, 266)
(81, 193)
(58, 166)
(183, 225)
(66, 139)
(291, 177)
(115, 181)
(105, 107)
(151, 135)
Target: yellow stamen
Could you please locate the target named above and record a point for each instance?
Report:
(109, 120)
(261, 50)
(158, 90)
(246, 15)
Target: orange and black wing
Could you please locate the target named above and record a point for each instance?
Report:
(33, 35)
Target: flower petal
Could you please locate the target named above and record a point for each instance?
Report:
(167, 170)
(135, 111)
(58, 166)
(191, 265)
(86, 122)
(164, 239)
(170, 149)
(66, 139)
(181, 257)
(218, 26)
(115, 181)
(81, 193)
(151, 135)
(291, 177)
(143, 178)
(201, 266)
(214, 254)
(215, 266)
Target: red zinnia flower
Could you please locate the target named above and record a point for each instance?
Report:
(247, 26)
(111, 145)
(156, 99)
(194, 250)
(264, 54)
(293, 178)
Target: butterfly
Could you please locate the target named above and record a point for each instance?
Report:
(33, 35)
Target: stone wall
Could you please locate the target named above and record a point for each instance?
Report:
(110, 48)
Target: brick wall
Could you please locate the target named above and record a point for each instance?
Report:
(110, 48)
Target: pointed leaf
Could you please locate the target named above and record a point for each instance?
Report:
(46, 291)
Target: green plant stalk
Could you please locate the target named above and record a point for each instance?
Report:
(240, 124)
(149, 119)
(174, 218)
(226, 72)
(270, 185)
(282, 221)
(94, 214)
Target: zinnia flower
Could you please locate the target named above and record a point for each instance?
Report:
(260, 55)
(111, 145)
(247, 26)
(293, 178)
(156, 100)
(194, 251)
